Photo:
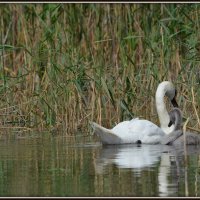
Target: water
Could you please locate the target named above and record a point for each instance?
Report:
(67, 166)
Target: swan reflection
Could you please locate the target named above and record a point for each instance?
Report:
(167, 159)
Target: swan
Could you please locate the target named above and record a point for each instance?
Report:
(176, 137)
(175, 116)
(141, 130)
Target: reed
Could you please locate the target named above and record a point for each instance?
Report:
(63, 65)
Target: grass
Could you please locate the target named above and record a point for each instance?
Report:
(63, 65)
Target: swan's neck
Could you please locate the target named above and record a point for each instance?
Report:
(177, 119)
(162, 111)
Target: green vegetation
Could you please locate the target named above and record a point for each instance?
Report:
(63, 65)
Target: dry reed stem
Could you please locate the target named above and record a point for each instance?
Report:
(194, 129)
(185, 157)
(194, 103)
(184, 128)
(16, 127)
(184, 131)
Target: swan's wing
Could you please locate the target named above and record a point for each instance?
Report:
(106, 135)
(170, 138)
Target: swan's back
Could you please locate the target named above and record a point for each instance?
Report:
(138, 130)
(191, 138)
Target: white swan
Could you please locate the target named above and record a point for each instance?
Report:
(140, 130)
(176, 137)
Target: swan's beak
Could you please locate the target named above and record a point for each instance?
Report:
(174, 103)
(170, 123)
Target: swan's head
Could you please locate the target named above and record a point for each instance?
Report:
(175, 116)
(167, 88)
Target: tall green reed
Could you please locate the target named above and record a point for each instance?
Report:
(63, 65)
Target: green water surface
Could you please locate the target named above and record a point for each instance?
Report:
(66, 166)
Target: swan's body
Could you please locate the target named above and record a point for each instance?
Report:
(139, 130)
(176, 137)
(191, 138)
(133, 131)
